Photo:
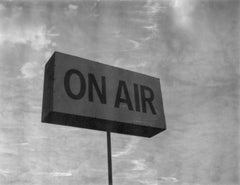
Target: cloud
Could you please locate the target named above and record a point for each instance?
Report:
(16, 29)
(71, 10)
(5, 173)
(72, 7)
(135, 44)
(54, 174)
(182, 10)
(29, 70)
(37, 37)
(47, 55)
(139, 165)
(128, 149)
(154, 7)
(168, 179)
(61, 174)
(152, 27)
(2, 7)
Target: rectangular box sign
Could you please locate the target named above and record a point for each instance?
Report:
(82, 93)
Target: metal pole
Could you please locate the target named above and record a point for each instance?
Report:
(109, 158)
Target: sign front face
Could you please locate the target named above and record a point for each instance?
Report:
(87, 94)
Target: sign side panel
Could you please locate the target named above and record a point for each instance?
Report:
(102, 125)
(162, 115)
(47, 104)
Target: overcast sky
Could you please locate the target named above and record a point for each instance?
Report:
(191, 45)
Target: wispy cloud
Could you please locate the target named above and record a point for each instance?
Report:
(168, 179)
(135, 44)
(2, 7)
(183, 10)
(128, 149)
(154, 6)
(71, 10)
(5, 173)
(139, 165)
(30, 69)
(134, 66)
(152, 27)
(15, 30)
(54, 174)
(61, 174)
(37, 37)
(72, 7)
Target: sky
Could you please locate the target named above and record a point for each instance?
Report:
(191, 45)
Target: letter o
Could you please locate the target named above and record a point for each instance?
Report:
(68, 90)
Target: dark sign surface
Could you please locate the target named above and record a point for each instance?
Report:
(82, 93)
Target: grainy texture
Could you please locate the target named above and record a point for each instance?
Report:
(191, 45)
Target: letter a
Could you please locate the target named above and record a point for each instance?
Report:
(122, 87)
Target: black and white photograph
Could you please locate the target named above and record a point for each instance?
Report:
(119, 92)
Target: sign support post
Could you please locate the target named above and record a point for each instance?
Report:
(110, 182)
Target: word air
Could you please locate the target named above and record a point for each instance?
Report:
(140, 100)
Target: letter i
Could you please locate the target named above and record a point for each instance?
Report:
(136, 95)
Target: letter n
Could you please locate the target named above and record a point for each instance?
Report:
(101, 93)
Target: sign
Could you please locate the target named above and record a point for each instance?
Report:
(82, 93)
